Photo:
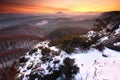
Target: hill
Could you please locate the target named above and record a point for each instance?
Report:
(27, 30)
(16, 40)
(62, 31)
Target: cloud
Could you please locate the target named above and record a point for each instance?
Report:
(26, 6)
(58, 5)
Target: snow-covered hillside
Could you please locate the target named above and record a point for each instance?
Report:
(92, 65)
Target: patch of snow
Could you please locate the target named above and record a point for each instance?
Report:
(118, 30)
(117, 44)
(91, 33)
(54, 48)
(43, 44)
(85, 62)
(104, 38)
(111, 53)
(43, 22)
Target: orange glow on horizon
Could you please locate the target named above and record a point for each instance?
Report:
(46, 6)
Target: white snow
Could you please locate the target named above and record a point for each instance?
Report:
(43, 22)
(107, 69)
(104, 38)
(111, 53)
(91, 33)
(93, 66)
(118, 30)
(43, 44)
(87, 63)
(54, 48)
(117, 43)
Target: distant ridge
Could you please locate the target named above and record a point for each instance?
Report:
(60, 13)
(27, 30)
(111, 13)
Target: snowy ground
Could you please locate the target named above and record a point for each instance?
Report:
(92, 65)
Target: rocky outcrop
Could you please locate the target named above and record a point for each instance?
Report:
(113, 26)
(109, 29)
(113, 33)
(45, 65)
(110, 43)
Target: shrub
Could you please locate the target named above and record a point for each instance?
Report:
(100, 47)
(32, 51)
(69, 42)
(46, 54)
(69, 69)
(45, 51)
(23, 60)
(46, 58)
(96, 28)
(69, 50)
(68, 62)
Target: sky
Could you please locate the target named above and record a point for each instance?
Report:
(52, 6)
